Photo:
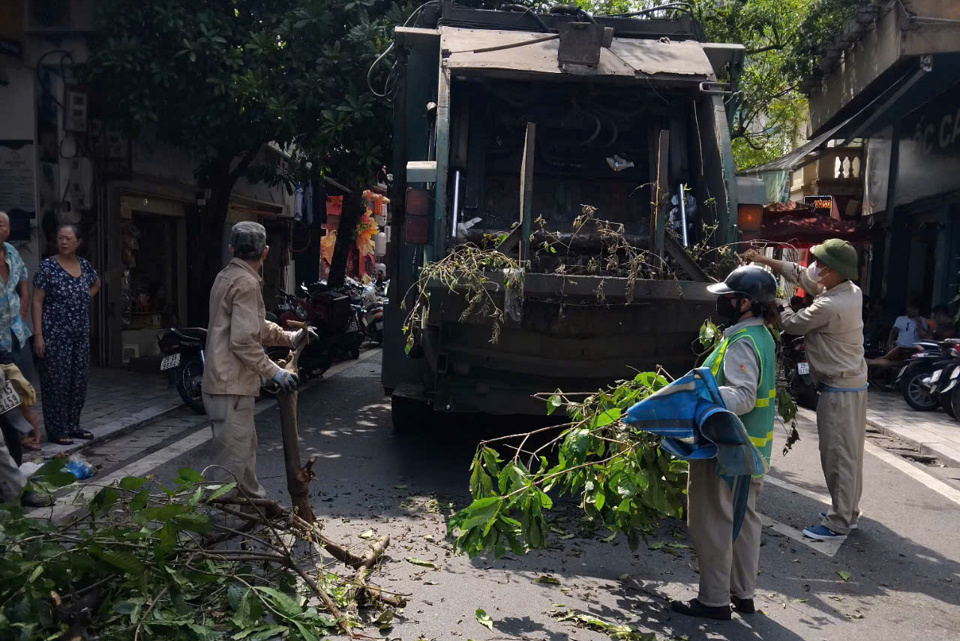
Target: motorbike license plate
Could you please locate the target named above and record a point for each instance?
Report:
(9, 399)
(803, 369)
(169, 362)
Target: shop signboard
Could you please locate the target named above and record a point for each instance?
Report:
(821, 205)
(929, 162)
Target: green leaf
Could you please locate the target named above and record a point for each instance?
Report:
(282, 602)
(120, 560)
(369, 534)
(554, 403)
(103, 500)
(221, 491)
(187, 475)
(425, 564)
(843, 574)
(132, 483)
(484, 619)
(547, 580)
(193, 522)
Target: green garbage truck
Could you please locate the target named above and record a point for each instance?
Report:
(592, 154)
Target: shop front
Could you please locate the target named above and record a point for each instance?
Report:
(153, 273)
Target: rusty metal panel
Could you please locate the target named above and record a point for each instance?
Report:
(525, 52)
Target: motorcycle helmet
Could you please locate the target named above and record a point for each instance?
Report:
(749, 281)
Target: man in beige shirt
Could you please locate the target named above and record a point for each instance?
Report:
(833, 337)
(235, 361)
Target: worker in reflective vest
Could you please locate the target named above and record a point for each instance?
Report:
(744, 365)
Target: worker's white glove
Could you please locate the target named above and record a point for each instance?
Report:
(307, 334)
(286, 381)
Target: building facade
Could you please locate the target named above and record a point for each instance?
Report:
(135, 200)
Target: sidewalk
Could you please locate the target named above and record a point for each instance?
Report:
(117, 400)
(935, 433)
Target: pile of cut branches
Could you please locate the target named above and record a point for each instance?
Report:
(624, 481)
(193, 561)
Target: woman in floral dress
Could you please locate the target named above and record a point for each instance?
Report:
(63, 287)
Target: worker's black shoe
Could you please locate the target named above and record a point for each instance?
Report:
(30, 498)
(743, 606)
(694, 608)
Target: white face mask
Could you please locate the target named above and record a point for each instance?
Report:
(813, 272)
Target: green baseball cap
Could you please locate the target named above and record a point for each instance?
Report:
(838, 255)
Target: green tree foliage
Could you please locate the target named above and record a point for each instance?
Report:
(222, 78)
(783, 40)
(150, 562)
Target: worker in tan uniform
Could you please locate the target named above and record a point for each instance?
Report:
(833, 337)
(235, 361)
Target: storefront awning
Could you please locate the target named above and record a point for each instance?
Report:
(801, 227)
(862, 123)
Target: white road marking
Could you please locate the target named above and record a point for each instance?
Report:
(829, 548)
(911, 470)
(915, 473)
(68, 505)
(822, 498)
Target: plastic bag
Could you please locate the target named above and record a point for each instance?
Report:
(80, 468)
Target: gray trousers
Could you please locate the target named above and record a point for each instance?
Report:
(11, 479)
(234, 441)
(842, 427)
(727, 567)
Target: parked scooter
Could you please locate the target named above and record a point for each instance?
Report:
(913, 379)
(372, 313)
(183, 352)
(796, 372)
(942, 383)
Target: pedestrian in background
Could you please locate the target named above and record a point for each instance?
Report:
(833, 331)
(744, 366)
(15, 319)
(235, 360)
(63, 287)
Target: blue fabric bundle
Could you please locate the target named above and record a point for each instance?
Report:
(691, 416)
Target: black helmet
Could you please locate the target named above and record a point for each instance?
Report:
(750, 281)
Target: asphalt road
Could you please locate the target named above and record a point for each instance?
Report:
(902, 566)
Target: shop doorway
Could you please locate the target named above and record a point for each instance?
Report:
(153, 281)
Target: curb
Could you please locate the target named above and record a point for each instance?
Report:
(108, 431)
(122, 427)
(927, 448)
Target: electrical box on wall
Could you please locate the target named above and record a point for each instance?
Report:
(75, 110)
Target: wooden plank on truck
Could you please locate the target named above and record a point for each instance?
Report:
(526, 190)
(658, 209)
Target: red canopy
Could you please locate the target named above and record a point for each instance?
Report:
(801, 227)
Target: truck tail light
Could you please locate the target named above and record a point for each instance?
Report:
(416, 226)
(750, 217)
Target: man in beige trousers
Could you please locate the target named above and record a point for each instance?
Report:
(833, 336)
(235, 360)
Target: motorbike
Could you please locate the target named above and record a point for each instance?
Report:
(182, 351)
(315, 359)
(916, 372)
(338, 324)
(371, 313)
(796, 373)
(942, 383)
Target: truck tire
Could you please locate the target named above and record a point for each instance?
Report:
(409, 414)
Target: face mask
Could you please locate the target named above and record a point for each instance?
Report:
(727, 311)
(813, 272)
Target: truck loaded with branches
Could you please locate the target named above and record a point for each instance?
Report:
(564, 192)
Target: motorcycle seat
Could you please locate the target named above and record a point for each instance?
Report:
(199, 333)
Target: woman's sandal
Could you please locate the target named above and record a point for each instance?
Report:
(81, 434)
(63, 440)
(31, 445)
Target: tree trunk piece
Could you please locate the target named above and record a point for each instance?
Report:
(298, 478)
(350, 216)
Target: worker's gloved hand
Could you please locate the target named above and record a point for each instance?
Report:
(749, 256)
(307, 334)
(288, 382)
